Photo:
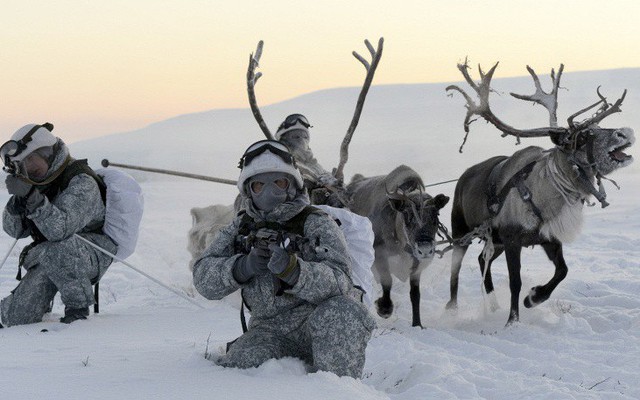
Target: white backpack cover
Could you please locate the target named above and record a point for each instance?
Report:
(358, 233)
(124, 205)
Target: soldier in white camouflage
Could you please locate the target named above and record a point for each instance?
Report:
(303, 303)
(322, 186)
(53, 198)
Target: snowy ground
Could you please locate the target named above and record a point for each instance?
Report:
(147, 343)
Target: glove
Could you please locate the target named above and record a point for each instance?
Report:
(284, 265)
(17, 186)
(254, 263)
(30, 256)
(34, 200)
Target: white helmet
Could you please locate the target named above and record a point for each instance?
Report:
(267, 156)
(291, 123)
(26, 140)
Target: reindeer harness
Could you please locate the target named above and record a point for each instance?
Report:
(496, 199)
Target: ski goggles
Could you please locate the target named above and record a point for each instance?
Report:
(13, 148)
(280, 184)
(260, 147)
(294, 119)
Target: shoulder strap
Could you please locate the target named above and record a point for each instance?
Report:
(78, 167)
(296, 224)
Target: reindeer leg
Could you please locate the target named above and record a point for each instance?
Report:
(540, 294)
(456, 264)
(512, 252)
(486, 274)
(384, 305)
(414, 294)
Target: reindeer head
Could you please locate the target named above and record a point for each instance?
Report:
(601, 149)
(593, 150)
(416, 213)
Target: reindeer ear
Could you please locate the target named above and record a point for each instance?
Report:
(440, 201)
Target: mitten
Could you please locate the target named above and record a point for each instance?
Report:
(34, 200)
(17, 186)
(250, 265)
(284, 265)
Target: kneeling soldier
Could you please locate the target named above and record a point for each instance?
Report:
(291, 262)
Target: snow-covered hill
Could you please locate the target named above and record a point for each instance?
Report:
(584, 343)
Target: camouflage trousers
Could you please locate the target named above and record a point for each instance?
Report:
(68, 266)
(333, 338)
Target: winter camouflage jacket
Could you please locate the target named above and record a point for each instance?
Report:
(77, 209)
(324, 273)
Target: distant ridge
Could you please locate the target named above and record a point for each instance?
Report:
(399, 122)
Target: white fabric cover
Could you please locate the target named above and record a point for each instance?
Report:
(125, 205)
(358, 232)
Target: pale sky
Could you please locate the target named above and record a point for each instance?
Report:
(101, 67)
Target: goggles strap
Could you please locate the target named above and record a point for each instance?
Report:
(248, 157)
(49, 179)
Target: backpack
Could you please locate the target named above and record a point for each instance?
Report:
(358, 233)
(124, 207)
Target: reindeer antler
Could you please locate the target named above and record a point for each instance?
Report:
(604, 111)
(252, 78)
(547, 100)
(483, 88)
(371, 69)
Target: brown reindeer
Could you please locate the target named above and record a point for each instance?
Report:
(534, 196)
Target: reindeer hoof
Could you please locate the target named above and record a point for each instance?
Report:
(451, 305)
(513, 318)
(534, 298)
(384, 309)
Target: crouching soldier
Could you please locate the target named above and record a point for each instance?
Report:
(291, 263)
(53, 198)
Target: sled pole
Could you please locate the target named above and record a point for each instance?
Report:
(8, 253)
(440, 183)
(106, 163)
(95, 246)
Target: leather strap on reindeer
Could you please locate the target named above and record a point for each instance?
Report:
(495, 199)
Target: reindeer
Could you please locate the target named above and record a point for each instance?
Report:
(535, 196)
(405, 223)
(403, 217)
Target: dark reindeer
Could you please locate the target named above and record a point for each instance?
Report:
(404, 218)
(535, 196)
(405, 223)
